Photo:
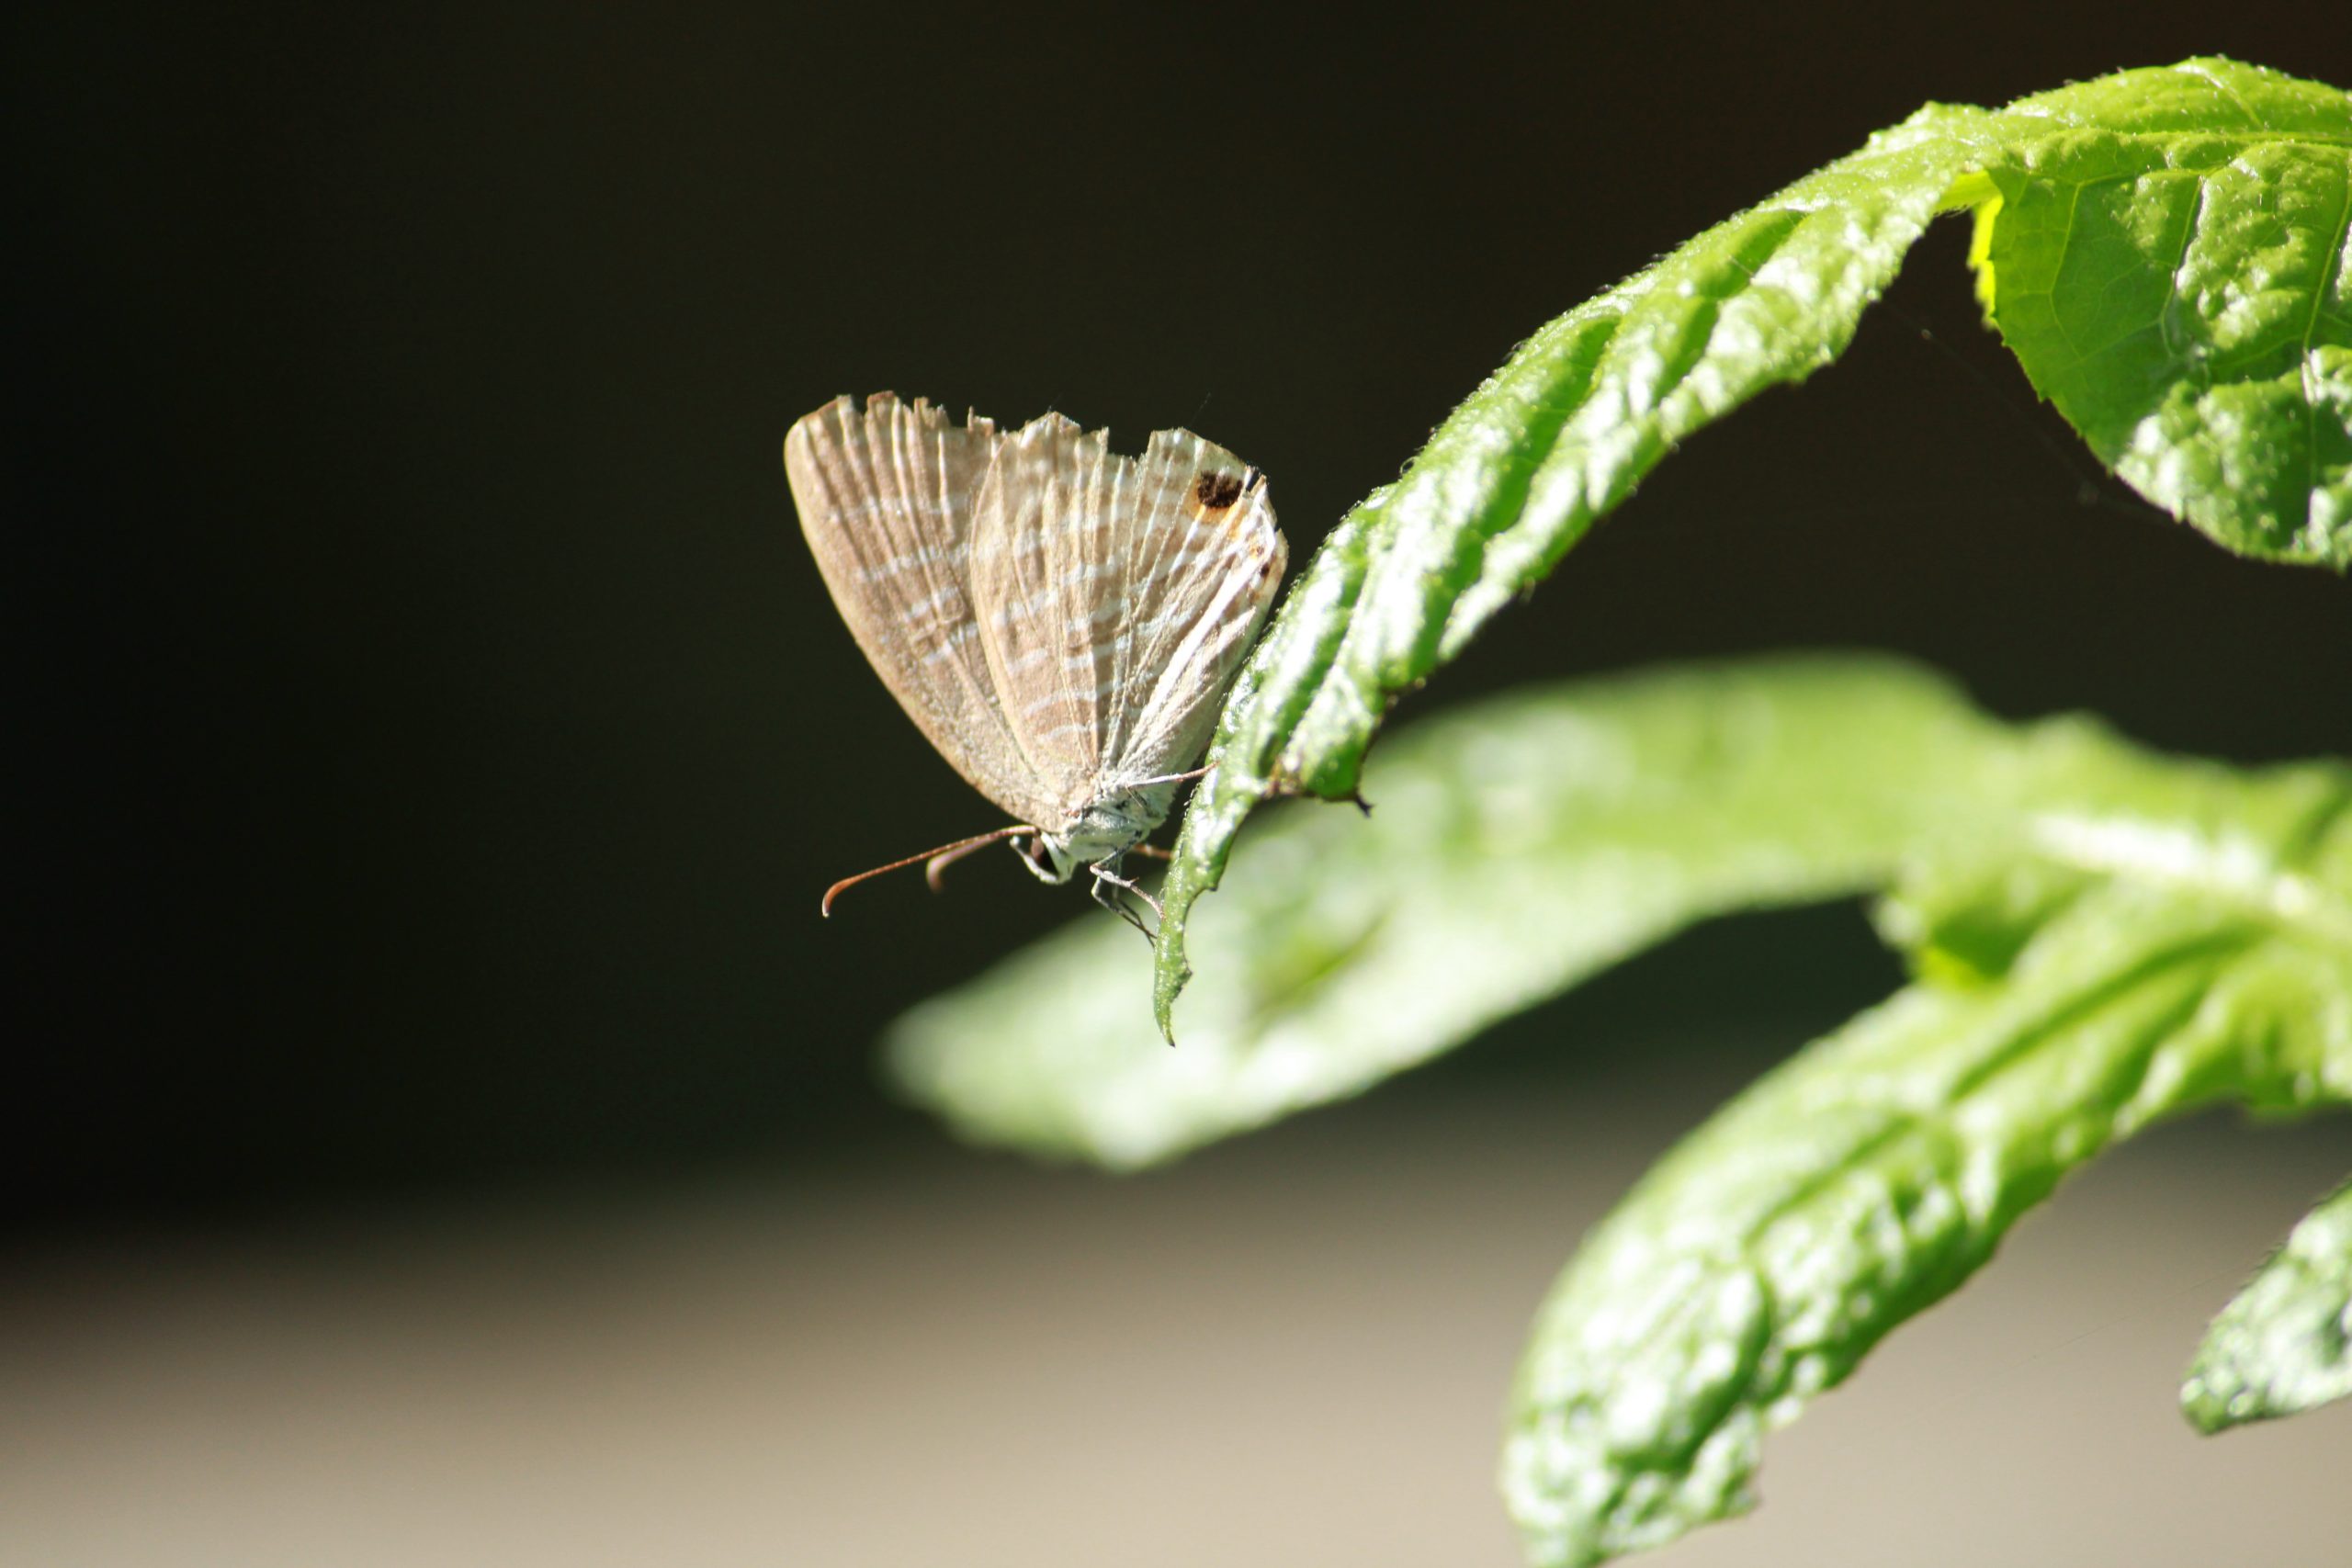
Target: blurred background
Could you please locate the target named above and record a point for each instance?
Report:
(446, 1130)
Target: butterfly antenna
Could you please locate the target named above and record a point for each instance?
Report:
(942, 854)
(949, 856)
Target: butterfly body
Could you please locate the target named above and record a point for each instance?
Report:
(1060, 621)
(1102, 831)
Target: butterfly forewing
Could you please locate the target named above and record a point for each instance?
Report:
(887, 498)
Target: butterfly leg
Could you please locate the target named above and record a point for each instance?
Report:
(1110, 890)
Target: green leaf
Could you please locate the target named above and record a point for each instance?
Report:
(1521, 469)
(2168, 262)
(1533, 839)
(2158, 246)
(1519, 847)
(2284, 1346)
(2180, 937)
(2100, 938)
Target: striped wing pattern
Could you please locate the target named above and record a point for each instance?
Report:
(1119, 596)
(886, 500)
(1060, 621)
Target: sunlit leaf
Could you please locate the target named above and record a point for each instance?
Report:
(2166, 255)
(2165, 249)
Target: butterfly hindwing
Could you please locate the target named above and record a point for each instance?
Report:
(1125, 591)
(1206, 562)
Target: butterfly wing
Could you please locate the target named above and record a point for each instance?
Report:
(1125, 592)
(1207, 562)
(887, 498)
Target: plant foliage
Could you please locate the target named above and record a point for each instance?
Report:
(2164, 249)
(2097, 937)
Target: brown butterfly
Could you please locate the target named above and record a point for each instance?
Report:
(1060, 621)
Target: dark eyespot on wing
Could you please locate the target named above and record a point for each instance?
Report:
(1216, 491)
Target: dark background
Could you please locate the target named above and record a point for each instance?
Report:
(429, 733)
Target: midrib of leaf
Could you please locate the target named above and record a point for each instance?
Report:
(2283, 899)
(1328, 969)
(2169, 968)
(1505, 527)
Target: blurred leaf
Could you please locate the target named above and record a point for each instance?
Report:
(1533, 839)
(2165, 249)
(2185, 939)
(2284, 1345)
(2101, 937)
(1520, 846)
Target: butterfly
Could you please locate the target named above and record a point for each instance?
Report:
(1061, 622)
